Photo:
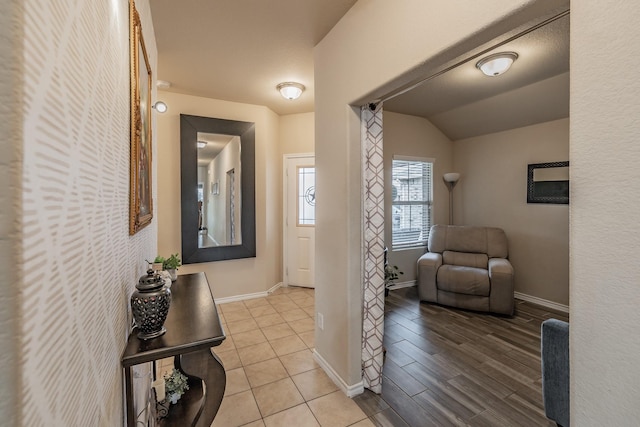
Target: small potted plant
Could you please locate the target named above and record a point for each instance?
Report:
(170, 265)
(391, 274)
(175, 384)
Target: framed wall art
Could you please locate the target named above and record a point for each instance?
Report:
(140, 195)
(548, 183)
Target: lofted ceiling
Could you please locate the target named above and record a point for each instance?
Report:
(463, 102)
(240, 50)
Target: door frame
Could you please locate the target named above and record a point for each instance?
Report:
(285, 196)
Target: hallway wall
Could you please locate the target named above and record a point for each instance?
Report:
(79, 263)
(605, 228)
(231, 277)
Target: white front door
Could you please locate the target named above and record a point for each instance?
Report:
(299, 220)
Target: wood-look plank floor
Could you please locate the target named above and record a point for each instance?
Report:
(451, 367)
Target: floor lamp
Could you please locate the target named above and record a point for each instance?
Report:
(451, 179)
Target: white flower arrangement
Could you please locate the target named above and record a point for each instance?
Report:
(175, 384)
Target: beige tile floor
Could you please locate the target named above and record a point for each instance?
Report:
(272, 378)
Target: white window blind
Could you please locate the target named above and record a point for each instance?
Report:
(412, 189)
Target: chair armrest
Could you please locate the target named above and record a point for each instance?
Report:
(502, 286)
(428, 265)
(500, 266)
(555, 370)
(432, 259)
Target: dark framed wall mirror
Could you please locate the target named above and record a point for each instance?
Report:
(217, 170)
(548, 183)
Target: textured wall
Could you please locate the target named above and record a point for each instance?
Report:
(80, 265)
(492, 192)
(605, 223)
(297, 133)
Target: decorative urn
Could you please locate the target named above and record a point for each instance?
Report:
(150, 305)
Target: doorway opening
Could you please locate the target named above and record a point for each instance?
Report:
(410, 104)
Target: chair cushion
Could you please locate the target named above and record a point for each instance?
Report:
(463, 280)
(463, 238)
(465, 259)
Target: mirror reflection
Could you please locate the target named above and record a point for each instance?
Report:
(219, 190)
(217, 185)
(551, 174)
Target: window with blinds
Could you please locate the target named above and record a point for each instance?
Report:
(411, 194)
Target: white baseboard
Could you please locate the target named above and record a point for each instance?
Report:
(407, 284)
(349, 390)
(249, 296)
(543, 302)
(529, 298)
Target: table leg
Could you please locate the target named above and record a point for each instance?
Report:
(128, 385)
(205, 365)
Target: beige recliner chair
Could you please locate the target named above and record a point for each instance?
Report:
(467, 267)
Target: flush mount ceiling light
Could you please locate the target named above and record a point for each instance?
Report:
(496, 64)
(160, 107)
(290, 90)
(202, 144)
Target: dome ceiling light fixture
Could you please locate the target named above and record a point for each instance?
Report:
(290, 90)
(496, 64)
(160, 107)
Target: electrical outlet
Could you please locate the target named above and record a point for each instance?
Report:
(321, 321)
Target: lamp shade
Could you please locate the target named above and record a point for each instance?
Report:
(290, 90)
(451, 177)
(496, 64)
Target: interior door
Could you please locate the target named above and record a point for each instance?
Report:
(299, 220)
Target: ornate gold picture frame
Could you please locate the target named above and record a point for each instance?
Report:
(140, 196)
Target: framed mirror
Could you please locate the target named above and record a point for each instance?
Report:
(217, 170)
(548, 183)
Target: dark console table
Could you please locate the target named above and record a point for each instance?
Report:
(193, 327)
